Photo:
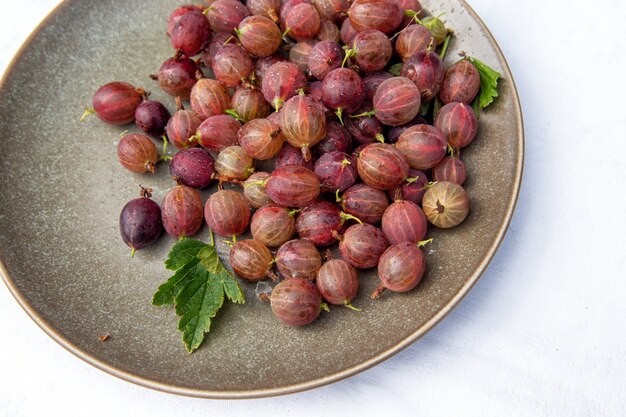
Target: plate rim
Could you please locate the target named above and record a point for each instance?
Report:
(318, 382)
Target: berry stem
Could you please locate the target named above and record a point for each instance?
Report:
(277, 103)
(378, 291)
(233, 113)
(412, 180)
(379, 137)
(350, 306)
(364, 114)
(339, 112)
(324, 307)
(397, 196)
(179, 103)
(211, 238)
(423, 243)
(164, 156)
(294, 212)
(132, 252)
(272, 14)
(349, 54)
(336, 235)
(306, 153)
(444, 48)
(338, 198)
(346, 216)
(194, 138)
(88, 111)
(260, 183)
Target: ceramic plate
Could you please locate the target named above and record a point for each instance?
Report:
(62, 189)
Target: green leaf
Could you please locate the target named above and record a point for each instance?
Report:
(476, 107)
(168, 291)
(210, 259)
(197, 305)
(197, 288)
(231, 288)
(488, 82)
(395, 69)
(183, 252)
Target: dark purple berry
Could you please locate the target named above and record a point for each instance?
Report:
(343, 90)
(426, 71)
(412, 189)
(364, 202)
(325, 57)
(192, 167)
(336, 171)
(290, 155)
(152, 117)
(191, 33)
(319, 222)
(337, 139)
(140, 222)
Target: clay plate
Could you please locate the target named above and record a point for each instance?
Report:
(62, 190)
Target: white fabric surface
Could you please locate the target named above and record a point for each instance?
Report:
(541, 334)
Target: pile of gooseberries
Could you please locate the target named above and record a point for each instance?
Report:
(325, 124)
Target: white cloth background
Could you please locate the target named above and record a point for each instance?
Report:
(541, 334)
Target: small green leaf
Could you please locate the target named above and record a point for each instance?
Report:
(395, 69)
(197, 305)
(167, 292)
(210, 259)
(476, 107)
(425, 108)
(488, 82)
(231, 288)
(437, 106)
(197, 288)
(183, 252)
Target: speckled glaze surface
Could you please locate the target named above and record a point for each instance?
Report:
(62, 189)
